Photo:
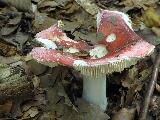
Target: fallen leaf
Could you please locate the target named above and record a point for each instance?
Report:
(42, 21)
(36, 68)
(89, 6)
(9, 60)
(46, 3)
(32, 112)
(133, 81)
(63, 3)
(149, 36)
(156, 30)
(132, 4)
(130, 78)
(8, 30)
(137, 23)
(14, 82)
(16, 20)
(62, 93)
(37, 101)
(21, 38)
(6, 107)
(151, 17)
(125, 114)
(71, 8)
(70, 26)
(155, 106)
(91, 37)
(7, 50)
(24, 5)
(85, 112)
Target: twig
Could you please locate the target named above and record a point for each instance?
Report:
(143, 113)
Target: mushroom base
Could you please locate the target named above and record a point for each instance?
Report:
(94, 90)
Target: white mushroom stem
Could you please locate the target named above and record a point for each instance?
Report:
(94, 90)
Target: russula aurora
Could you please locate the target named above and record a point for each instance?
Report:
(123, 48)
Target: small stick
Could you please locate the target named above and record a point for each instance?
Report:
(144, 111)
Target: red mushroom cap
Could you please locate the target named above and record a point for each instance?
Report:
(124, 46)
(55, 34)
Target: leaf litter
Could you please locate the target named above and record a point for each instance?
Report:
(56, 93)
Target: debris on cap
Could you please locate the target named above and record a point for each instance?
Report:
(55, 34)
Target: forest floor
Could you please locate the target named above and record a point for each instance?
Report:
(33, 91)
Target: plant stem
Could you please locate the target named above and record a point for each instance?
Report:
(144, 111)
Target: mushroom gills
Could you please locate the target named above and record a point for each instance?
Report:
(94, 90)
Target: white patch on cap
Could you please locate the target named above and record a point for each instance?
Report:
(71, 50)
(98, 52)
(47, 43)
(80, 63)
(111, 37)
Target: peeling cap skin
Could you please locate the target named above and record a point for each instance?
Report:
(55, 34)
(124, 47)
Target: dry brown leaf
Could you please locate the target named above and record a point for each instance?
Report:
(70, 26)
(48, 116)
(137, 23)
(63, 3)
(156, 30)
(42, 21)
(24, 5)
(8, 30)
(149, 36)
(151, 17)
(132, 79)
(90, 112)
(7, 50)
(15, 28)
(124, 114)
(36, 68)
(155, 106)
(71, 8)
(38, 101)
(6, 107)
(89, 6)
(9, 60)
(15, 20)
(45, 3)
(85, 112)
(129, 80)
(62, 93)
(131, 4)
(18, 39)
(32, 112)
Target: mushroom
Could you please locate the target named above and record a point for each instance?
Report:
(120, 48)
